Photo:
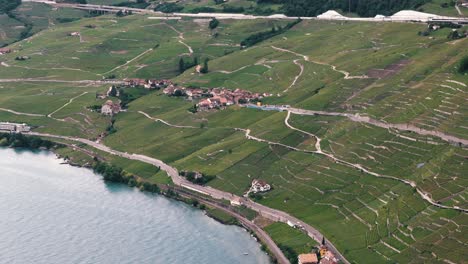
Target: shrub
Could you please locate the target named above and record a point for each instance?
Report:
(214, 23)
(168, 7)
(463, 67)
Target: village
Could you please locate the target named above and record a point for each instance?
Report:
(209, 98)
(215, 98)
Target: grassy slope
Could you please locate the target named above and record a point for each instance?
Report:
(330, 196)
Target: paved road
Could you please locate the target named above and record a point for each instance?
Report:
(267, 212)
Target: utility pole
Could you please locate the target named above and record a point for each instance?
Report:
(349, 6)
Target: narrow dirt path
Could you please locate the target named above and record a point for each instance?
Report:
(378, 123)
(164, 122)
(297, 76)
(424, 195)
(458, 10)
(181, 38)
(66, 104)
(128, 62)
(48, 69)
(234, 71)
(346, 74)
(20, 113)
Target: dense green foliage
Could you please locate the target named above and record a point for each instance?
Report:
(261, 36)
(184, 64)
(8, 5)
(233, 9)
(138, 4)
(116, 174)
(214, 23)
(203, 9)
(361, 7)
(455, 34)
(463, 67)
(22, 141)
(204, 69)
(168, 7)
(289, 253)
(126, 95)
(197, 178)
(73, 1)
(222, 216)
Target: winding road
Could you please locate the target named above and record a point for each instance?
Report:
(178, 180)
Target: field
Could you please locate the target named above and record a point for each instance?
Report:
(383, 70)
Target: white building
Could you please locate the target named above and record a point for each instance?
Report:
(259, 186)
(14, 127)
(110, 108)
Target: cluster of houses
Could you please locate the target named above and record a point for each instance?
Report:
(148, 83)
(322, 256)
(14, 127)
(215, 97)
(4, 51)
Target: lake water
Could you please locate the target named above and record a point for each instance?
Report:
(53, 213)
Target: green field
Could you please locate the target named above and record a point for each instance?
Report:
(369, 219)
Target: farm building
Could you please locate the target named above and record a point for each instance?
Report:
(110, 108)
(307, 259)
(13, 127)
(259, 186)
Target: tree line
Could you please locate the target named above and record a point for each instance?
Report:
(8, 5)
(113, 173)
(366, 8)
(22, 141)
(264, 35)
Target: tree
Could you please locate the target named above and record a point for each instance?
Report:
(214, 23)
(113, 91)
(463, 67)
(181, 65)
(204, 69)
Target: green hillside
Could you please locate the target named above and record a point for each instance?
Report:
(385, 71)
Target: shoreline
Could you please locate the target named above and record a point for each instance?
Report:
(168, 192)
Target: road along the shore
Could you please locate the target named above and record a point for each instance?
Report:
(272, 214)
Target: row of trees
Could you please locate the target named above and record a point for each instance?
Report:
(187, 64)
(261, 36)
(22, 141)
(8, 5)
(197, 178)
(116, 174)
